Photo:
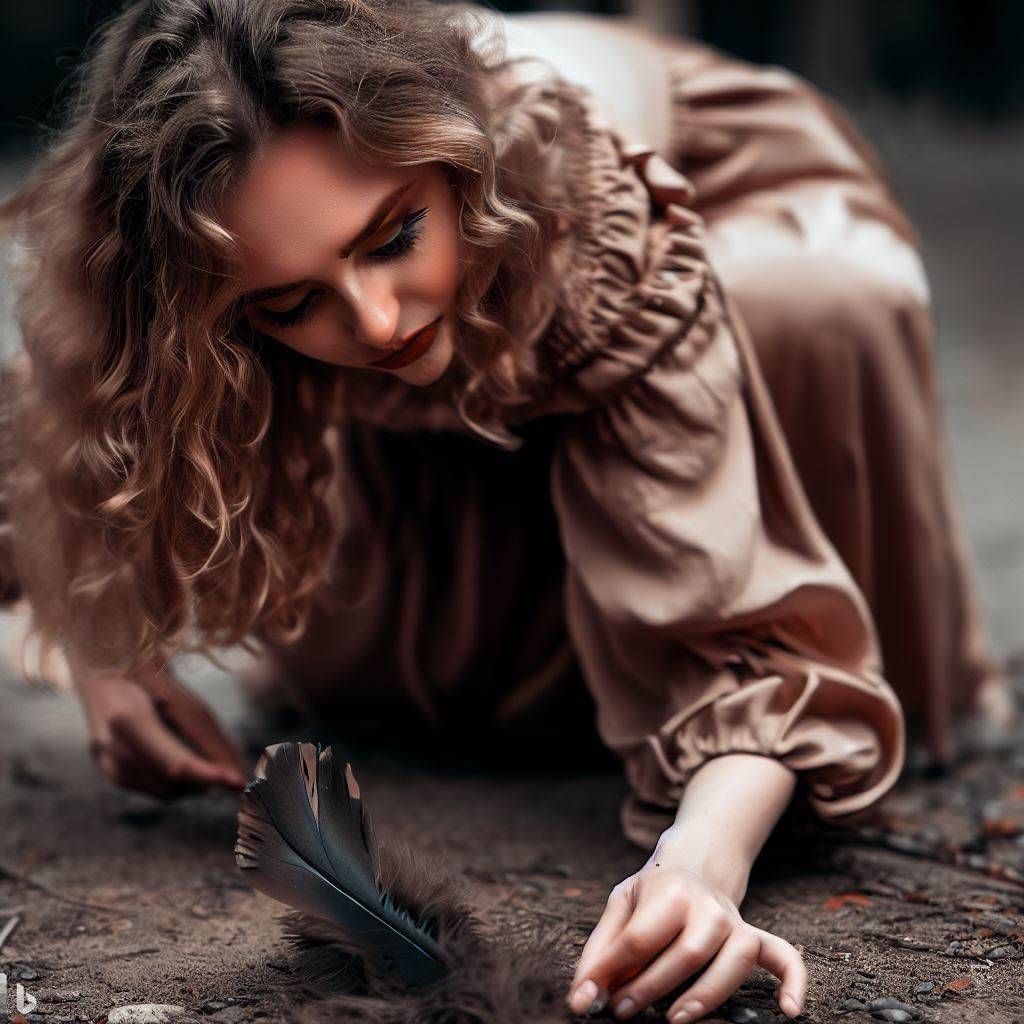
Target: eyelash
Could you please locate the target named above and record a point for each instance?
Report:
(405, 240)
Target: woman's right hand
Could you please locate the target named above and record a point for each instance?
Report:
(153, 735)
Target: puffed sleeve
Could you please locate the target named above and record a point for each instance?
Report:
(710, 613)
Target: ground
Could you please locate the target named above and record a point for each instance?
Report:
(121, 900)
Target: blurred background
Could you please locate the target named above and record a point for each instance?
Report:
(936, 86)
(962, 54)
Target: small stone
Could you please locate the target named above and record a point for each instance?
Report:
(147, 1013)
(200, 911)
(888, 1003)
(1001, 953)
(954, 947)
(212, 1006)
(744, 1015)
(851, 1004)
(923, 987)
(887, 1008)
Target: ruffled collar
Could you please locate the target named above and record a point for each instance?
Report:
(632, 286)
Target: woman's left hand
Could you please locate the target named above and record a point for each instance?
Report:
(660, 926)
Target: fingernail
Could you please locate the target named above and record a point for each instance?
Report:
(582, 997)
(789, 1005)
(688, 1012)
(625, 1007)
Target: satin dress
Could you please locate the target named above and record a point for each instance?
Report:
(731, 526)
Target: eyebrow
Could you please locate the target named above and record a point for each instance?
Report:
(381, 212)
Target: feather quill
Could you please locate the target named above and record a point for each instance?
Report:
(381, 935)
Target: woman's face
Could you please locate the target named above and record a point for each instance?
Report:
(344, 261)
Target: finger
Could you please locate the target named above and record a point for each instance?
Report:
(698, 943)
(650, 928)
(193, 720)
(136, 772)
(617, 911)
(784, 961)
(195, 734)
(174, 761)
(132, 776)
(736, 959)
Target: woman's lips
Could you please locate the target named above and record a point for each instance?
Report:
(412, 349)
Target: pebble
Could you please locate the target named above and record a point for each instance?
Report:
(888, 1003)
(888, 1008)
(147, 1013)
(744, 1015)
(923, 987)
(212, 1006)
(852, 1004)
(1001, 952)
(953, 947)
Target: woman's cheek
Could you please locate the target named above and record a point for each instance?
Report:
(438, 275)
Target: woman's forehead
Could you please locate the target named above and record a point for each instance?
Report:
(301, 193)
(303, 171)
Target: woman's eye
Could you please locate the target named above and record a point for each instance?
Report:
(401, 243)
(293, 316)
(404, 240)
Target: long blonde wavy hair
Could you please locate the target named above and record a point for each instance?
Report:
(169, 479)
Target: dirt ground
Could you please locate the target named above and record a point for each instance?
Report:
(122, 900)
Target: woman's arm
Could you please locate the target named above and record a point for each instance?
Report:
(680, 910)
(730, 807)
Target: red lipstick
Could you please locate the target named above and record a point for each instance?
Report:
(412, 349)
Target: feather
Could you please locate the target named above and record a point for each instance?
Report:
(305, 839)
(381, 935)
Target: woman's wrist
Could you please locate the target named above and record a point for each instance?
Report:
(731, 804)
(721, 863)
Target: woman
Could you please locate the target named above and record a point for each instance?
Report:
(471, 392)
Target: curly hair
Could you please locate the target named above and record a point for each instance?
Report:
(171, 474)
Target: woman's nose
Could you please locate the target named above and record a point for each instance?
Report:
(373, 315)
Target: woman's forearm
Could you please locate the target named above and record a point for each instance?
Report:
(729, 808)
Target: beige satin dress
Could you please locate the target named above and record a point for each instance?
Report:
(731, 526)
